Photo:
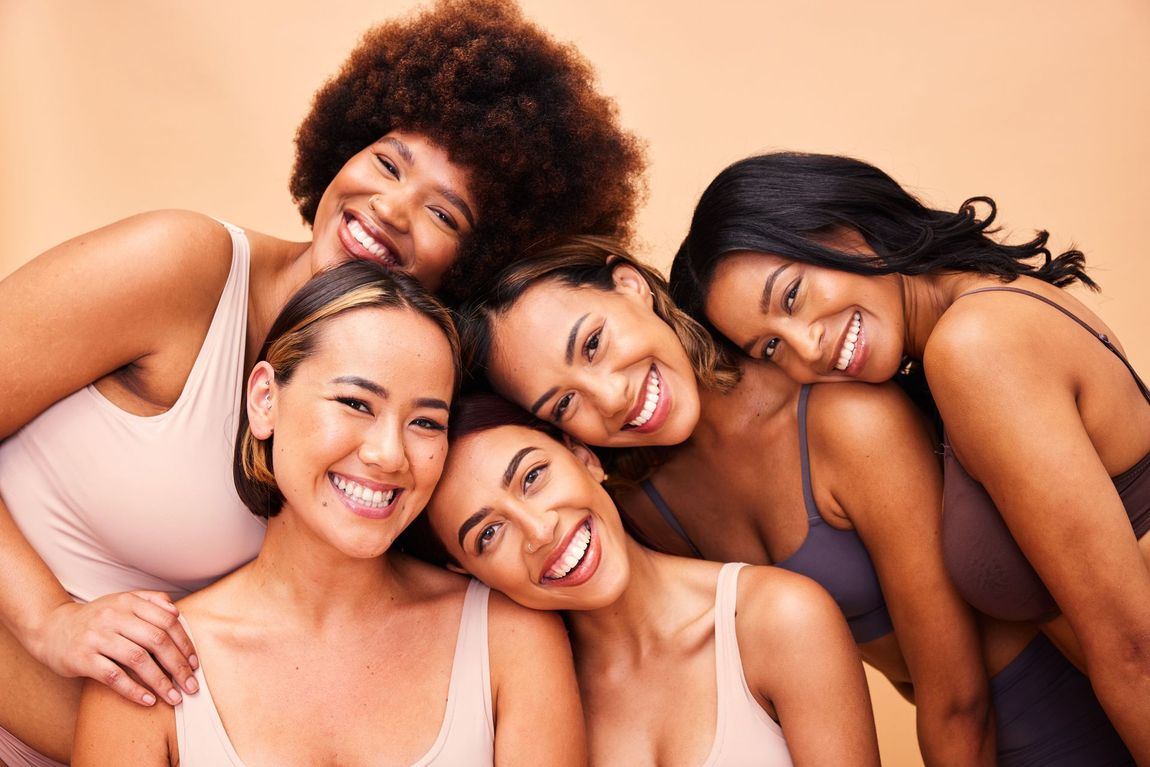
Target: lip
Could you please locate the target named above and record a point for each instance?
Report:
(861, 349)
(585, 569)
(361, 509)
(662, 407)
(391, 258)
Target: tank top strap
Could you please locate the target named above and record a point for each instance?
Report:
(813, 516)
(1105, 339)
(668, 516)
(728, 660)
(471, 650)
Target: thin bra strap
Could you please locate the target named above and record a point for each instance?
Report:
(805, 457)
(1100, 336)
(668, 517)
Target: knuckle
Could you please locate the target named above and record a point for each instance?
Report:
(111, 676)
(137, 657)
(159, 638)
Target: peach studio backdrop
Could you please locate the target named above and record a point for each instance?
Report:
(113, 107)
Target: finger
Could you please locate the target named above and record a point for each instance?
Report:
(158, 642)
(158, 598)
(108, 673)
(130, 656)
(175, 650)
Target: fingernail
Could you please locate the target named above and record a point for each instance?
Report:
(173, 697)
(191, 685)
(149, 699)
(194, 661)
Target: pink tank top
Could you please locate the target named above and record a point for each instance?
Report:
(466, 737)
(744, 733)
(114, 502)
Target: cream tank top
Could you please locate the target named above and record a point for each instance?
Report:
(466, 736)
(115, 502)
(744, 733)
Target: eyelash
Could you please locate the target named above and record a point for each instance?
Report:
(792, 294)
(561, 407)
(591, 345)
(388, 165)
(355, 404)
(486, 535)
(430, 423)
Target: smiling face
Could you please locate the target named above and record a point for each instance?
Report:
(527, 516)
(360, 428)
(817, 324)
(600, 364)
(401, 202)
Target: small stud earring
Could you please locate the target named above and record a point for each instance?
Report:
(267, 402)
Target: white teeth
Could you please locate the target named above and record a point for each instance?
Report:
(847, 353)
(651, 401)
(363, 238)
(573, 555)
(362, 495)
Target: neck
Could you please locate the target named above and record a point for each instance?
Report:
(925, 298)
(317, 582)
(640, 617)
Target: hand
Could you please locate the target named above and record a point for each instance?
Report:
(121, 640)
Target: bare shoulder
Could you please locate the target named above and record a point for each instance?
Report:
(850, 415)
(512, 625)
(777, 603)
(113, 730)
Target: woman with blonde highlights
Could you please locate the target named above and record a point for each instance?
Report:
(306, 653)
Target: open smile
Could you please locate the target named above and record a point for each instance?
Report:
(652, 409)
(575, 559)
(371, 500)
(851, 344)
(363, 239)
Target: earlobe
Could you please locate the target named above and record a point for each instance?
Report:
(456, 568)
(261, 394)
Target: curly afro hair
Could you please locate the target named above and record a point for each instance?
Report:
(545, 151)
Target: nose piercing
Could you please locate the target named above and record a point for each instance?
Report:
(530, 548)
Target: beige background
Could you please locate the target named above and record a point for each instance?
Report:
(112, 107)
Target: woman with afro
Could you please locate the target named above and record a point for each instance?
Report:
(450, 142)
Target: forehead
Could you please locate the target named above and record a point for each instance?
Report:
(473, 474)
(403, 350)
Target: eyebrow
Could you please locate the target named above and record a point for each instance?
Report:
(546, 396)
(513, 464)
(479, 516)
(471, 522)
(765, 299)
(572, 336)
(432, 402)
(403, 149)
(363, 383)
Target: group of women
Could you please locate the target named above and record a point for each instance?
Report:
(974, 533)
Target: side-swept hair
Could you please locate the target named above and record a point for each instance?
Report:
(790, 204)
(586, 261)
(293, 338)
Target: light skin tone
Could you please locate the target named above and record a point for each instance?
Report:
(327, 608)
(147, 289)
(597, 363)
(643, 623)
(1013, 380)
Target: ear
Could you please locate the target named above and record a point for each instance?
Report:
(587, 456)
(455, 568)
(261, 397)
(630, 281)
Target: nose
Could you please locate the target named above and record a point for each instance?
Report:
(611, 394)
(392, 207)
(807, 341)
(383, 447)
(538, 527)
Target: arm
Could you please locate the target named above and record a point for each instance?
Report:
(110, 730)
(798, 655)
(86, 308)
(538, 716)
(877, 459)
(1009, 393)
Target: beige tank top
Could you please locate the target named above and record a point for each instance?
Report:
(114, 502)
(466, 737)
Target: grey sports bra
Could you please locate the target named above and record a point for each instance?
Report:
(982, 557)
(836, 559)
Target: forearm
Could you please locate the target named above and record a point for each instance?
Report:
(28, 589)
(1123, 688)
(956, 732)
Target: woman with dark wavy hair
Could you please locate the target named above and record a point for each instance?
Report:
(826, 267)
(450, 141)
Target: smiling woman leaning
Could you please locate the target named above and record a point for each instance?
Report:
(306, 653)
(680, 662)
(827, 267)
